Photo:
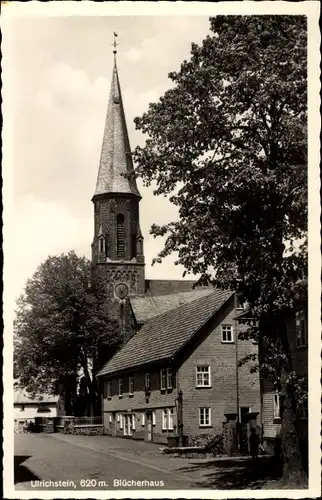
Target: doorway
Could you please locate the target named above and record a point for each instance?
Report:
(127, 428)
(149, 427)
(243, 434)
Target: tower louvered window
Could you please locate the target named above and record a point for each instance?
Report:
(120, 236)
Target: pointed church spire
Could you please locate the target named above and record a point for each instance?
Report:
(115, 158)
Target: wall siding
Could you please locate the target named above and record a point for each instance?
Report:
(271, 427)
(137, 405)
(222, 396)
(29, 411)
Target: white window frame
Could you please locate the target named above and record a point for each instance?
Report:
(120, 388)
(200, 370)
(153, 417)
(170, 419)
(169, 378)
(110, 418)
(163, 379)
(109, 389)
(164, 419)
(202, 412)
(147, 380)
(299, 318)
(143, 419)
(223, 329)
(131, 386)
(133, 421)
(276, 406)
(121, 421)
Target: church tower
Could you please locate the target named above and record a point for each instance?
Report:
(117, 248)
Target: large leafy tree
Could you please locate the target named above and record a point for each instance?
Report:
(227, 144)
(62, 328)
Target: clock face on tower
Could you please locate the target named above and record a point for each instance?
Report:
(121, 290)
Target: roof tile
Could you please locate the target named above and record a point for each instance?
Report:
(162, 336)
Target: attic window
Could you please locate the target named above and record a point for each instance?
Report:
(120, 235)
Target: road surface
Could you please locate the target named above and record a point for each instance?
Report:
(49, 462)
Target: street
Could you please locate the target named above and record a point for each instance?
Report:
(67, 462)
(94, 463)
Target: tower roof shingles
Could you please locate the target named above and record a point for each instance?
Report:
(115, 158)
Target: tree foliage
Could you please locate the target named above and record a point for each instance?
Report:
(228, 145)
(232, 134)
(61, 321)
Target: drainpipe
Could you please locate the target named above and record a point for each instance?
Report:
(179, 412)
(237, 374)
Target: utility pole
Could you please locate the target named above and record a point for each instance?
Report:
(180, 419)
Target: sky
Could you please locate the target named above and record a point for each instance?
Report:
(59, 72)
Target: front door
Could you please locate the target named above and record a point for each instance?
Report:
(243, 435)
(127, 429)
(129, 425)
(149, 426)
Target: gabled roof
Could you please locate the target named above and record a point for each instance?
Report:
(167, 287)
(147, 306)
(115, 156)
(163, 336)
(21, 396)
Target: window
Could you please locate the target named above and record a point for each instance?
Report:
(170, 419)
(131, 386)
(169, 378)
(227, 333)
(301, 334)
(143, 419)
(109, 390)
(120, 388)
(204, 417)
(101, 245)
(153, 418)
(164, 420)
(147, 381)
(110, 418)
(163, 380)
(117, 417)
(203, 376)
(133, 421)
(121, 421)
(120, 236)
(276, 405)
(240, 305)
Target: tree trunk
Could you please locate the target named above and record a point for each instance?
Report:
(92, 392)
(293, 470)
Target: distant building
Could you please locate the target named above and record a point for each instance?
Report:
(27, 407)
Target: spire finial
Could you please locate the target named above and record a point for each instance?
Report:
(115, 45)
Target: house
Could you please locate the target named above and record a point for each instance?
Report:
(296, 327)
(180, 370)
(27, 407)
